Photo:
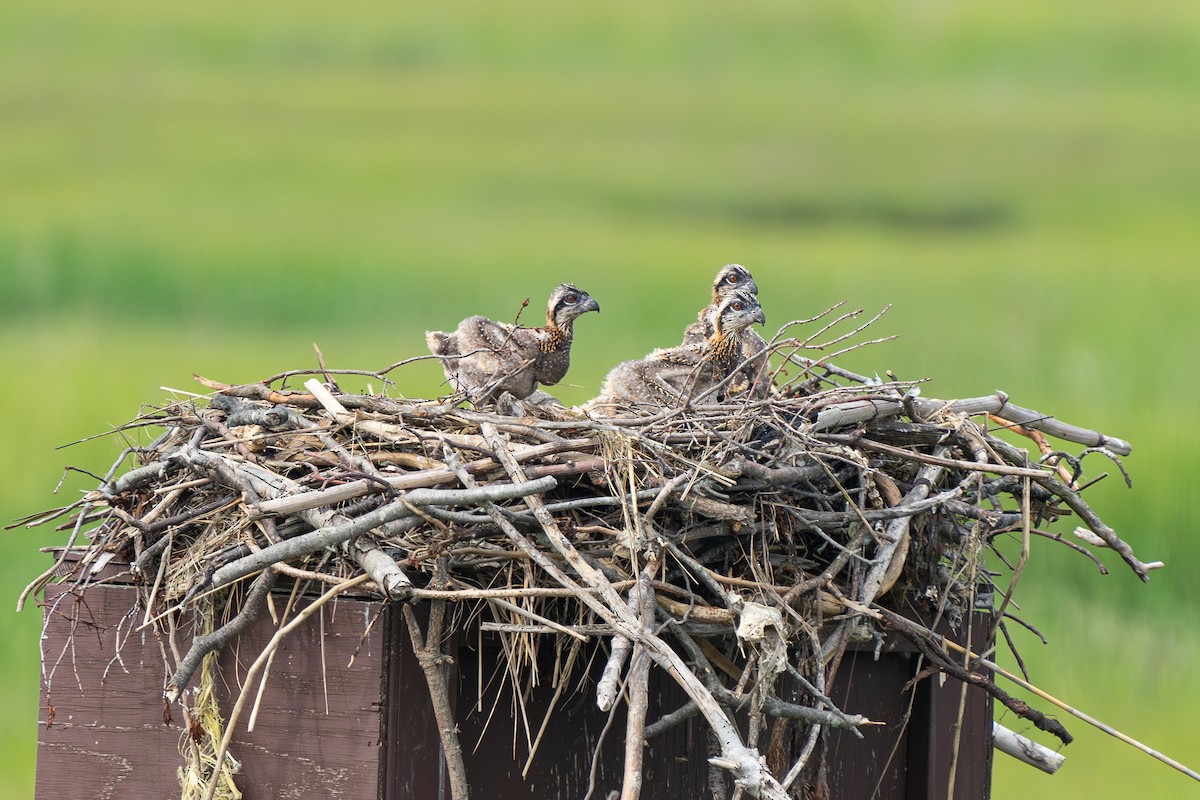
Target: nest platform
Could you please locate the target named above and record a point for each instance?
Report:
(733, 546)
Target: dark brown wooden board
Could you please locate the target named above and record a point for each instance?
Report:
(379, 739)
(906, 757)
(675, 763)
(909, 757)
(109, 740)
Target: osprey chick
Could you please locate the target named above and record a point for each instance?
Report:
(665, 377)
(733, 278)
(485, 358)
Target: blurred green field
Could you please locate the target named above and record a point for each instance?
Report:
(195, 188)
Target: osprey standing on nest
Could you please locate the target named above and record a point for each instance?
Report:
(485, 358)
(730, 279)
(665, 377)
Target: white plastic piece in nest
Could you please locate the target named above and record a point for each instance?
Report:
(762, 626)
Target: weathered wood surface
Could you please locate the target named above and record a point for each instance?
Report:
(675, 763)
(109, 740)
(910, 758)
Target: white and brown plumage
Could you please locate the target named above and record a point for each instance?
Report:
(485, 358)
(730, 279)
(666, 377)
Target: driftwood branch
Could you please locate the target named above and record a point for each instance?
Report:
(854, 412)
(395, 512)
(745, 763)
(639, 696)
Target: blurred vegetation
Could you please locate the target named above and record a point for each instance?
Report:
(192, 188)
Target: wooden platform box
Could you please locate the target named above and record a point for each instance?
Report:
(346, 714)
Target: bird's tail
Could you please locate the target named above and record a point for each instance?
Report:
(441, 344)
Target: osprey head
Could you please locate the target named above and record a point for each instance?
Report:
(733, 278)
(736, 312)
(566, 303)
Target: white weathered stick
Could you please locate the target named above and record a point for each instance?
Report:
(295, 503)
(610, 681)
(396, 511)
(388, 432)
(853, 412)
(1026, 750)
(1087, 536)
(639, 696)
(950, 644)
(897, 531)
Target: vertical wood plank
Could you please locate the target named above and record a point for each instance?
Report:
(109, 740)
(412, 767)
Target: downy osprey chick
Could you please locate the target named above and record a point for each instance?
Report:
(666, 377)
(485, 358)
(754, 379)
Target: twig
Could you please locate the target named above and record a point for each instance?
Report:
(1026, 750)
(736, 757)
(433, 664)
(395, 512)
(639, 690)
(207, 643)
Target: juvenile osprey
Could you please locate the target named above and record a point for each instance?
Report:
(485, 358)
(665, 377)
(754, 378)
(730, 278)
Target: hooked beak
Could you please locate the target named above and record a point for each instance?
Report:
(590, 305)
(759, 316)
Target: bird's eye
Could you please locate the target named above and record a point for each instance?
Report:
(737, 306)
(732, 279)
(570, 299)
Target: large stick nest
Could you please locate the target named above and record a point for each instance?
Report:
(783, 528)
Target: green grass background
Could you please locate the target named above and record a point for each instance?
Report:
(213, 187)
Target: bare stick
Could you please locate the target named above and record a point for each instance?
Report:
(1077, 504)
(1026, 750)
(897, 531)
(853, 412)
(1111, 731)
(549, 623)
(610, 681)
(411, 480)
(997, 669)
(433, 664)
(639, 691)
(744, 762)
(207, 643)
(396, 511)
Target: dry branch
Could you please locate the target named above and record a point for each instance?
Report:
(1026, 750)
